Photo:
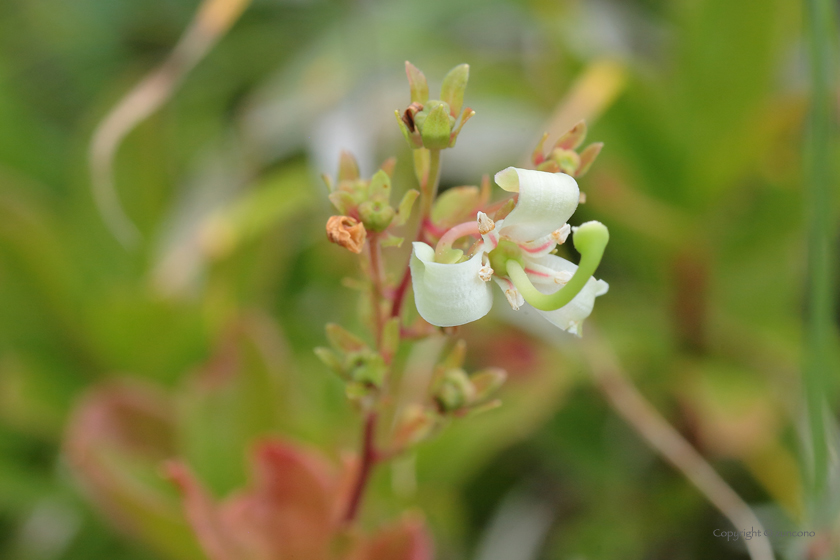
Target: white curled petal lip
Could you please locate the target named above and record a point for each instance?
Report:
(447, 295)
(570, 317)
(546, 202)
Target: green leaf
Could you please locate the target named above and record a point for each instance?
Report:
(456, 205)
(404, 209)
(454, 85)
(417, 83)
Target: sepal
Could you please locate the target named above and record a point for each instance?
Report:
(417, 83)
(454, 85)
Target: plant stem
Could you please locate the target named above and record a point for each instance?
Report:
(376, 275)
(819, 328)
(428, 193)
(626, 400)
(369, 458)
(429, 188)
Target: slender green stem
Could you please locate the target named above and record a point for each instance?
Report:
(428, 192)
(821, 25)
(590, 240)
(430, 185)
(376, 277)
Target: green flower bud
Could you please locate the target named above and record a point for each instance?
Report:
(434, 124)
(376, 214)
(365, 367)
(567, 160)
(455, 391)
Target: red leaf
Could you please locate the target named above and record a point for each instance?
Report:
(212, 532)
(406, 540)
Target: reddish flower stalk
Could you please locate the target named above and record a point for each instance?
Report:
(369, 458)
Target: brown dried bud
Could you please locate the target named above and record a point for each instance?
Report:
(347, 232)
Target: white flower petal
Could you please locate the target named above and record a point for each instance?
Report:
(447, 295)
(570, 317)
(546, 202)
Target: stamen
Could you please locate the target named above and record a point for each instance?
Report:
(514, 298)
(559, 236)
(485, 224)
(485, 273)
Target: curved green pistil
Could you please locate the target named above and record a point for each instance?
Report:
(590, 240)
(505, 251)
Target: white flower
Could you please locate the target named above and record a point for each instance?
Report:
(515, 252)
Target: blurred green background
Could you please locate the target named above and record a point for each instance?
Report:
(702, 105)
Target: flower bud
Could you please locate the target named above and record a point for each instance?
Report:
(347, 232)
(455, 391)
(567, 160)
(376, 215)
(365, 367)
(434, 124)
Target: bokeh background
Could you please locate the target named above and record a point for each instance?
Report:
(212, 309)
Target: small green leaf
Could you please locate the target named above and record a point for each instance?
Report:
(573, 138)
(487, 382)
(452, 90)
(538, 155)
(348, 168)
(330, 359)
(389, 240)
(343, 340)
(587, 157)
(456, 205)
(417, 83)
(380, 186)
(455, 358)
(388, 166)
(406, 204)
(468, 114)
